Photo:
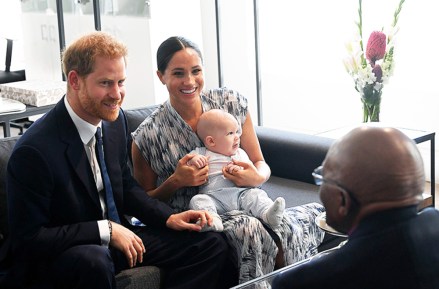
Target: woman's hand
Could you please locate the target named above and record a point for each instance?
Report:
(231, 168)
(199, 161)
(257, 172)
(189, 176)
(183, 176)
(248, 176)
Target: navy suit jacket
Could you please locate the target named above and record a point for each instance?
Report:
(52, 197)
(393, 249)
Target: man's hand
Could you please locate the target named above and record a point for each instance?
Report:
(129, 243)
(189, 220)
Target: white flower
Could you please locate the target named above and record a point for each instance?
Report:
(366, 82)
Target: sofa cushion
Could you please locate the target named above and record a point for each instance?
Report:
(292, 155)
(294, 192)
(135, 116)
(139, 278)
(6, 146)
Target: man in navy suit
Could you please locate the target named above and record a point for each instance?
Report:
(61, 235)
(372, 181)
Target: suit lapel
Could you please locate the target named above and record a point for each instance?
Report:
(75, 152)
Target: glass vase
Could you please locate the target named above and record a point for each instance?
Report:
(371, 100)
(371, 113)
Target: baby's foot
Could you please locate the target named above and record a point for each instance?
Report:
(217, 225)
(274, 214)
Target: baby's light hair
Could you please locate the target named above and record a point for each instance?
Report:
(212, 120)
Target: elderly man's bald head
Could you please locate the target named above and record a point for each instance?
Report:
(378, 165)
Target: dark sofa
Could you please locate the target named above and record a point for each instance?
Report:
(291, 156)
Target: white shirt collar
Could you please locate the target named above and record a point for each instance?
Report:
(86, 130)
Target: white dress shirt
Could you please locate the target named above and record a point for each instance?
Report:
(87, 133)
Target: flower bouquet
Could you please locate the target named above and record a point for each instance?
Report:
(372, 68)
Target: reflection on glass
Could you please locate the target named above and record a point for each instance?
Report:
(264, 282)
(139, 8)
(78, 7)
(38, 6)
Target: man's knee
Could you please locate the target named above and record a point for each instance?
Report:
(218, 242)
(98, 259)
(80, 263)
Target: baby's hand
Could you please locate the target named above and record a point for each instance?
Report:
(198, 161)
(231, 168)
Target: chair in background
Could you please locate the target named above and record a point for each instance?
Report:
(7, 76)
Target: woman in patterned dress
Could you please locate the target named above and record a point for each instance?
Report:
(161, 149)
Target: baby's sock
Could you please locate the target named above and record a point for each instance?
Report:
(274, 214)
(217, 224)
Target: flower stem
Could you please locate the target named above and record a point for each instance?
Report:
(396, 14)
(360, 31)
(375, 113)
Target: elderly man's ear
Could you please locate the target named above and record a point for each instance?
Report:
(345, 203)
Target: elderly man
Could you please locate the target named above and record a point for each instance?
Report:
(372, 183)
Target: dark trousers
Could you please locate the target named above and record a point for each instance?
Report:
(82, 266)
(189, 260)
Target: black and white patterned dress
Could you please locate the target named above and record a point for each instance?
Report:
(164, 138)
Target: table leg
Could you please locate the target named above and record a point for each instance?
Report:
(6, 129)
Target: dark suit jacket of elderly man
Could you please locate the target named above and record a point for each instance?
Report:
(393, 249)
(54, 204)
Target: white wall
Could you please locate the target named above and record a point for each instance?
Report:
(10, 27)
(302, 51)
(304, 85)
(172, 18)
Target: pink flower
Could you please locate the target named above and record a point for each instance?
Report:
(378, 71)
(376, 47)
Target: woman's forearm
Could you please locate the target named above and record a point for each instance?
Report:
(165, 191)
(264, 170)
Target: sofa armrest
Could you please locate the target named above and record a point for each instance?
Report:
(6, 147)
(135, 116)
(292, 155)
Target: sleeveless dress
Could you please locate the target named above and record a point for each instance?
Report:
(163, 138)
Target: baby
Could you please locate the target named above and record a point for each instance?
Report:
(220, 133)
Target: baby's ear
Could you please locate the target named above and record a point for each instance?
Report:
(209, 141)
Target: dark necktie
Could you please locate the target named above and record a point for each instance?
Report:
(111, 205)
